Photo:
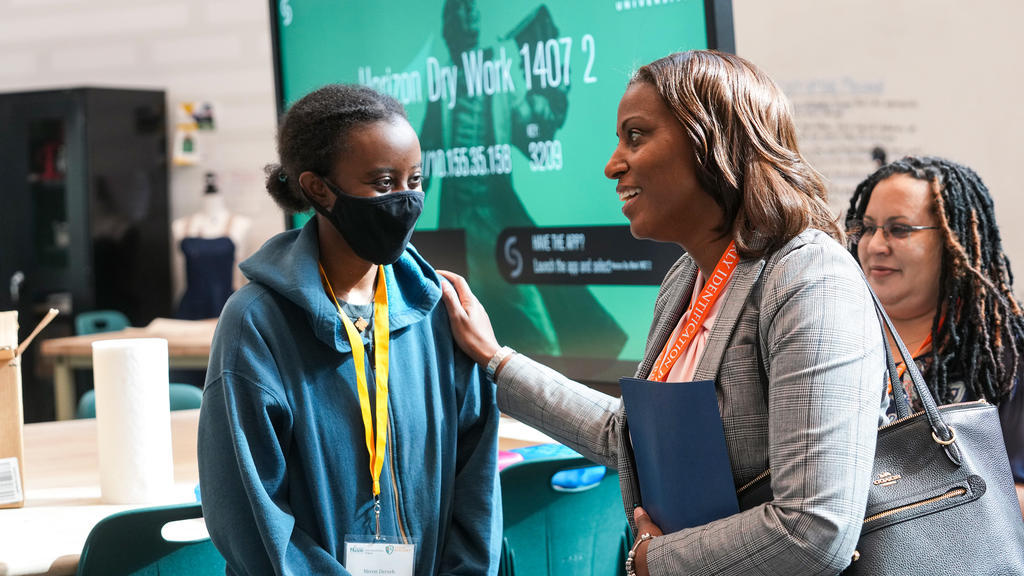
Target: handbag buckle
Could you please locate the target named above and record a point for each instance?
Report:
(940, 441)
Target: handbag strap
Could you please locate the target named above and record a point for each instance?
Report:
(896, 390)
(941, 432)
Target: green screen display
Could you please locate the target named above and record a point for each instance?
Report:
(515, 104)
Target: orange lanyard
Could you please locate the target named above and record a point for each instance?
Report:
(714, 287)
(920, 350)
(902, 365)
(374, 446)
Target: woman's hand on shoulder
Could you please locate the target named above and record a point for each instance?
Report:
(471, 326)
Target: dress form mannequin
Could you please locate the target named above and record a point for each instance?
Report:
(208, 246)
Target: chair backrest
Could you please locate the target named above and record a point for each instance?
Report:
(548, 531)
(183, 397)
(131, 544)
(100, 321)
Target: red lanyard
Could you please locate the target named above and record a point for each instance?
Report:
(714, 287)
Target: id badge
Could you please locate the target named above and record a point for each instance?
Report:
(369, 556)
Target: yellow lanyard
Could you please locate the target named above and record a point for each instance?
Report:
(374, 446)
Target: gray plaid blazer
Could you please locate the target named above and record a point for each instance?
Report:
(796, 355)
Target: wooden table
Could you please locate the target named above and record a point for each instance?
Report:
(188, 346)
(62, 489)
(62, 493)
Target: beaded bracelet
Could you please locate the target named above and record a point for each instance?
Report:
(630, 571)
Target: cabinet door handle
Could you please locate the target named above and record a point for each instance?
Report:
(17, 279)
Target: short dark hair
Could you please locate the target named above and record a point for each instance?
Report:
(744, 137)
(312, 135)
(981, 336)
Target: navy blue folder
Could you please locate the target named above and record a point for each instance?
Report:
(679, 446)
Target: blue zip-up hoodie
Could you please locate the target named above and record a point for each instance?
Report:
(283, 464)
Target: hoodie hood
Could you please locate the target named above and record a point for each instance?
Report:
(287, 266)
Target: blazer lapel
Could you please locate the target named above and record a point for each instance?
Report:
(676, 299)
(743, 279)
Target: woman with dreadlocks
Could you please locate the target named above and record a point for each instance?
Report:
(939, 269)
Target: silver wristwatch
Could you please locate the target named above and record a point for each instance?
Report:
(497, 359)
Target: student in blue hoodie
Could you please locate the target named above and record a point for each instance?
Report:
(341, 426)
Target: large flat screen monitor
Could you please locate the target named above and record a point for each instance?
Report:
(515, 105)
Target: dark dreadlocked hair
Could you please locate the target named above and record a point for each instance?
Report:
(312, 135)
(982, 335)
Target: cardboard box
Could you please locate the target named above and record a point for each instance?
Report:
(12, 418)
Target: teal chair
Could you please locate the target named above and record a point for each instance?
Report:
(183, 397)
(100, 321)
(579, 530)
(131, 544)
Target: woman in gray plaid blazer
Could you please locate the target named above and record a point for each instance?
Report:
(707, 156)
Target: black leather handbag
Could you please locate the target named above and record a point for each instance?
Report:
(942, 500)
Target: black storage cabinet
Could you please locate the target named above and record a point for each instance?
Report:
(84, 220)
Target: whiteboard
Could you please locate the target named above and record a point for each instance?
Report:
(931, 77)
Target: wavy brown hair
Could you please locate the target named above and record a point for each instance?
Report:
(743, 135)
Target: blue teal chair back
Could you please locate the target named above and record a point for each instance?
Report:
(100, 321)
(130, 544)
(183, 397)
(580, 531)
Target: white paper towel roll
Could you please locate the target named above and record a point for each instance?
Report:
(133, 420)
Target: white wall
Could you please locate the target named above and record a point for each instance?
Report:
(934, 77)
(919, 76)
(216, 51)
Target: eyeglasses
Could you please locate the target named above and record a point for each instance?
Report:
(896, 230)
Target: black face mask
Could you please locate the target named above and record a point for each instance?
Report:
(376, 227)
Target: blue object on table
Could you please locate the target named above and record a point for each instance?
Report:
(552, 450)
(566, 480)
(578, 479)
